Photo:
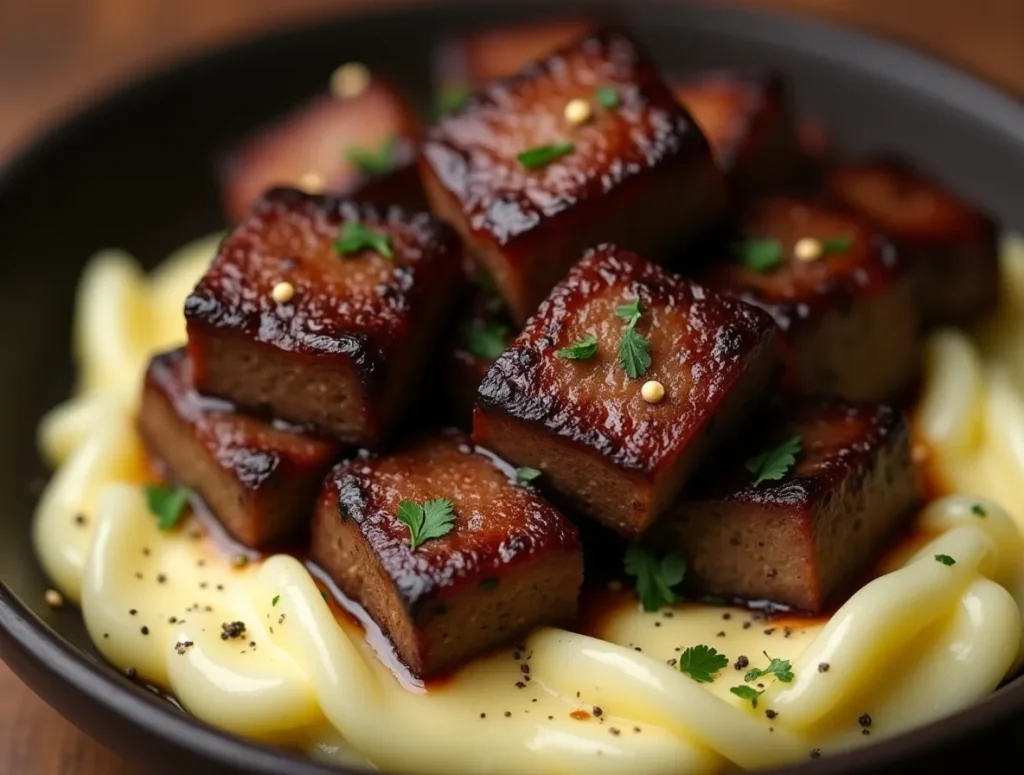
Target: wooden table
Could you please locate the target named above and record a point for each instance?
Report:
(55, 54)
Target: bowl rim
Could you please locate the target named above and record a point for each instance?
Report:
(31, 647)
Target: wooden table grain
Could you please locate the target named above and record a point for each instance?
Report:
(58, 54)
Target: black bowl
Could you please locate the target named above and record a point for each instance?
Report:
(134, 171)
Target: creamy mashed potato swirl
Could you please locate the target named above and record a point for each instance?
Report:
(920, 641)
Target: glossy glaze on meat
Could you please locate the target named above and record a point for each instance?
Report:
(510, 563)
(260, 477)
(953, 244)
(850, 320)
(585, 424)
(640, 174)
(798, 539)
(749, 124)
(317, 138)
(346, 351)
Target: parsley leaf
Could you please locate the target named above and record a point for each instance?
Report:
(525, 474)
(978, 510)
(654, 578)
(276, 599)
(452, 97)
(702, 663)
(634, 349)
(836, 245)
(542, 155)
(780, 669)
(761, 255)
(431, 520)
(167, 504)
(774, 463)
(747, 693)
(374, 161)
(945, 559)
(354, 237)
(488, 340)
(607, 97)
(579, 350)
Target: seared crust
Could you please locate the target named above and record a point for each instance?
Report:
(585, 424)
(799, 539)
(260, 478)
(510, 563)
(315, 138)
(748, 122)
(640, 174)
(953, 244)
(849, 319)
(346, 351)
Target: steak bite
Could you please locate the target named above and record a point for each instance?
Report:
(586, 146)
(841, 293)
(954, 245)
(509, 563)
(260, 478)
(799, 538)
(324, 311)
(749, 124)
(363, 145)
(583, 420)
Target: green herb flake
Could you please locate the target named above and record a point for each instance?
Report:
(607, 97)
(275, 601)
(634, 349)
(655, 578)
(780, 669)
(433, 519)
(978, 510)
(488, 340)
(945, 559)
(167, 504)
(580, 350)
(354, 238)
(525, 474)
(542, 155)
(761, 255)
(836, 245)
(774, 463)
(630, 312)
(702, 663)
(747, 693)
(451, 98)
(374, 161)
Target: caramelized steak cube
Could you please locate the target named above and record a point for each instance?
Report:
(345, 351)
(847, 309)
(748, 122)
(798, 539)
(609, 453)
(638, 171)
(954, 245)
(259, 477)
(510, 562)
(363, 146)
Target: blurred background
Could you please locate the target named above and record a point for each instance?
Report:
(57, 54)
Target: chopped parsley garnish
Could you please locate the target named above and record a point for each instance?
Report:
(781, 669)
(836, 245)
(579, 350)
(276, 599)
(375, 161)
(634, 349)
(354, 237)
(774, 463)
(607, 97)
(978, 510)
(747, 693)
(167, 504)
(452, 97)
(655, 578)
(542, 155)
(486, 341)
(431, 520)
(702, 663)
(761, 255)
(945, 559)
(525, 474)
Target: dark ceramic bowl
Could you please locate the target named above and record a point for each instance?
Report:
(135, 171)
